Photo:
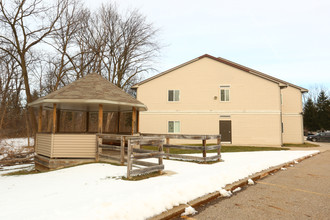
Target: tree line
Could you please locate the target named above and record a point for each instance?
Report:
(317, 112)
(45, 45)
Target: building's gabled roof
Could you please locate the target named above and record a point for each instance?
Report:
(87, 93)
(230, 63)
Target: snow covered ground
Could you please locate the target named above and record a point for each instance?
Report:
(95, 191)
(14, 145)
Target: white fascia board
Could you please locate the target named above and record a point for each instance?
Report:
(86, 101)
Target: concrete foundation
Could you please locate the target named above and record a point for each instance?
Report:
(43, 163)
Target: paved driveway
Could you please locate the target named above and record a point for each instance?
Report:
(300, 192)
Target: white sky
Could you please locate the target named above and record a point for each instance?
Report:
(288, 39)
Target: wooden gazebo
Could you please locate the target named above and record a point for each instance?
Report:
(92, 93)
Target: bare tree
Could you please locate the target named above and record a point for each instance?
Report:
(64, 42)
(10, 89)
(23, 25)
(119, 47)
(131, 45)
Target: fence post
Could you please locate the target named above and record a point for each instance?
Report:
(122, 150)
(98, 148)
(204, 149)
(160, 149)
(129, 159)
(219, 149)
(167, 149)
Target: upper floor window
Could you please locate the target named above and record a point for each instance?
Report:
(173, 95)
(224, 93)
(174, 127)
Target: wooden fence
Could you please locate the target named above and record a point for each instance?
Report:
(128, 150)
(135, 154)
(114, 143)
(202, 148)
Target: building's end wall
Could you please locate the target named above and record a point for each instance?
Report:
(292, 116)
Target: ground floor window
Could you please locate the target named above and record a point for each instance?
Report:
(174, 127)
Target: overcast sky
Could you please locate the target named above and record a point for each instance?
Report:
(288, 39)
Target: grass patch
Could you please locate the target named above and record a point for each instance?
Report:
(22, 172)
(306, 144)
(145, 176)
(223, 149)
(194, 161)
(250, 148)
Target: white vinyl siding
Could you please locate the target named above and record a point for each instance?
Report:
(174, 127)
(173, 95)
(66, 145)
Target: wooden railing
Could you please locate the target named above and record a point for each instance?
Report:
(129, 146)
(134, 156)
(117, 143)
(204, 148)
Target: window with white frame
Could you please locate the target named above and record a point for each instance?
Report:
(173, 95)
(174, 127)
(224, 93)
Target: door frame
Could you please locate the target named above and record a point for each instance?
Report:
(230, 131)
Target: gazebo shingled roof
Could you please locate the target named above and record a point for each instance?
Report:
(87, 93)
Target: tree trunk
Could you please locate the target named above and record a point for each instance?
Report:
(33, 119)
(3, 114)
(27, 127)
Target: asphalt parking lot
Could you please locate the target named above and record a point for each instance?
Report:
(300, 192)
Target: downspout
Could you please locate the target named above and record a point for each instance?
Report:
(282, 86)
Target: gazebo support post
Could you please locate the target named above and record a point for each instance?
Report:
(100, 122)
(54, 118)
(87, 122)
(58, 120)
(133, 120)
(40, 119)
(137, 121)
(118, 123)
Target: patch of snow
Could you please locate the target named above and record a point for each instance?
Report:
(225, 193)
(237, 189)
(16, 142)
(11, 169)
(12, 146)
(283, 168)
(189, 211)
(3, 156)
(93, 191)
(250, 182)
(295, 161)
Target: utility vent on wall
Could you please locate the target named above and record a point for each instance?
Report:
(224, 116)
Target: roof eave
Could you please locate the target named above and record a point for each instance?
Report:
(86, 101)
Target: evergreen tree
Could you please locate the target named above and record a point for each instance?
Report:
(310, 116)
(323, 111)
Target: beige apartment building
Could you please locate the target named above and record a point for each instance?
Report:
(210, 95)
